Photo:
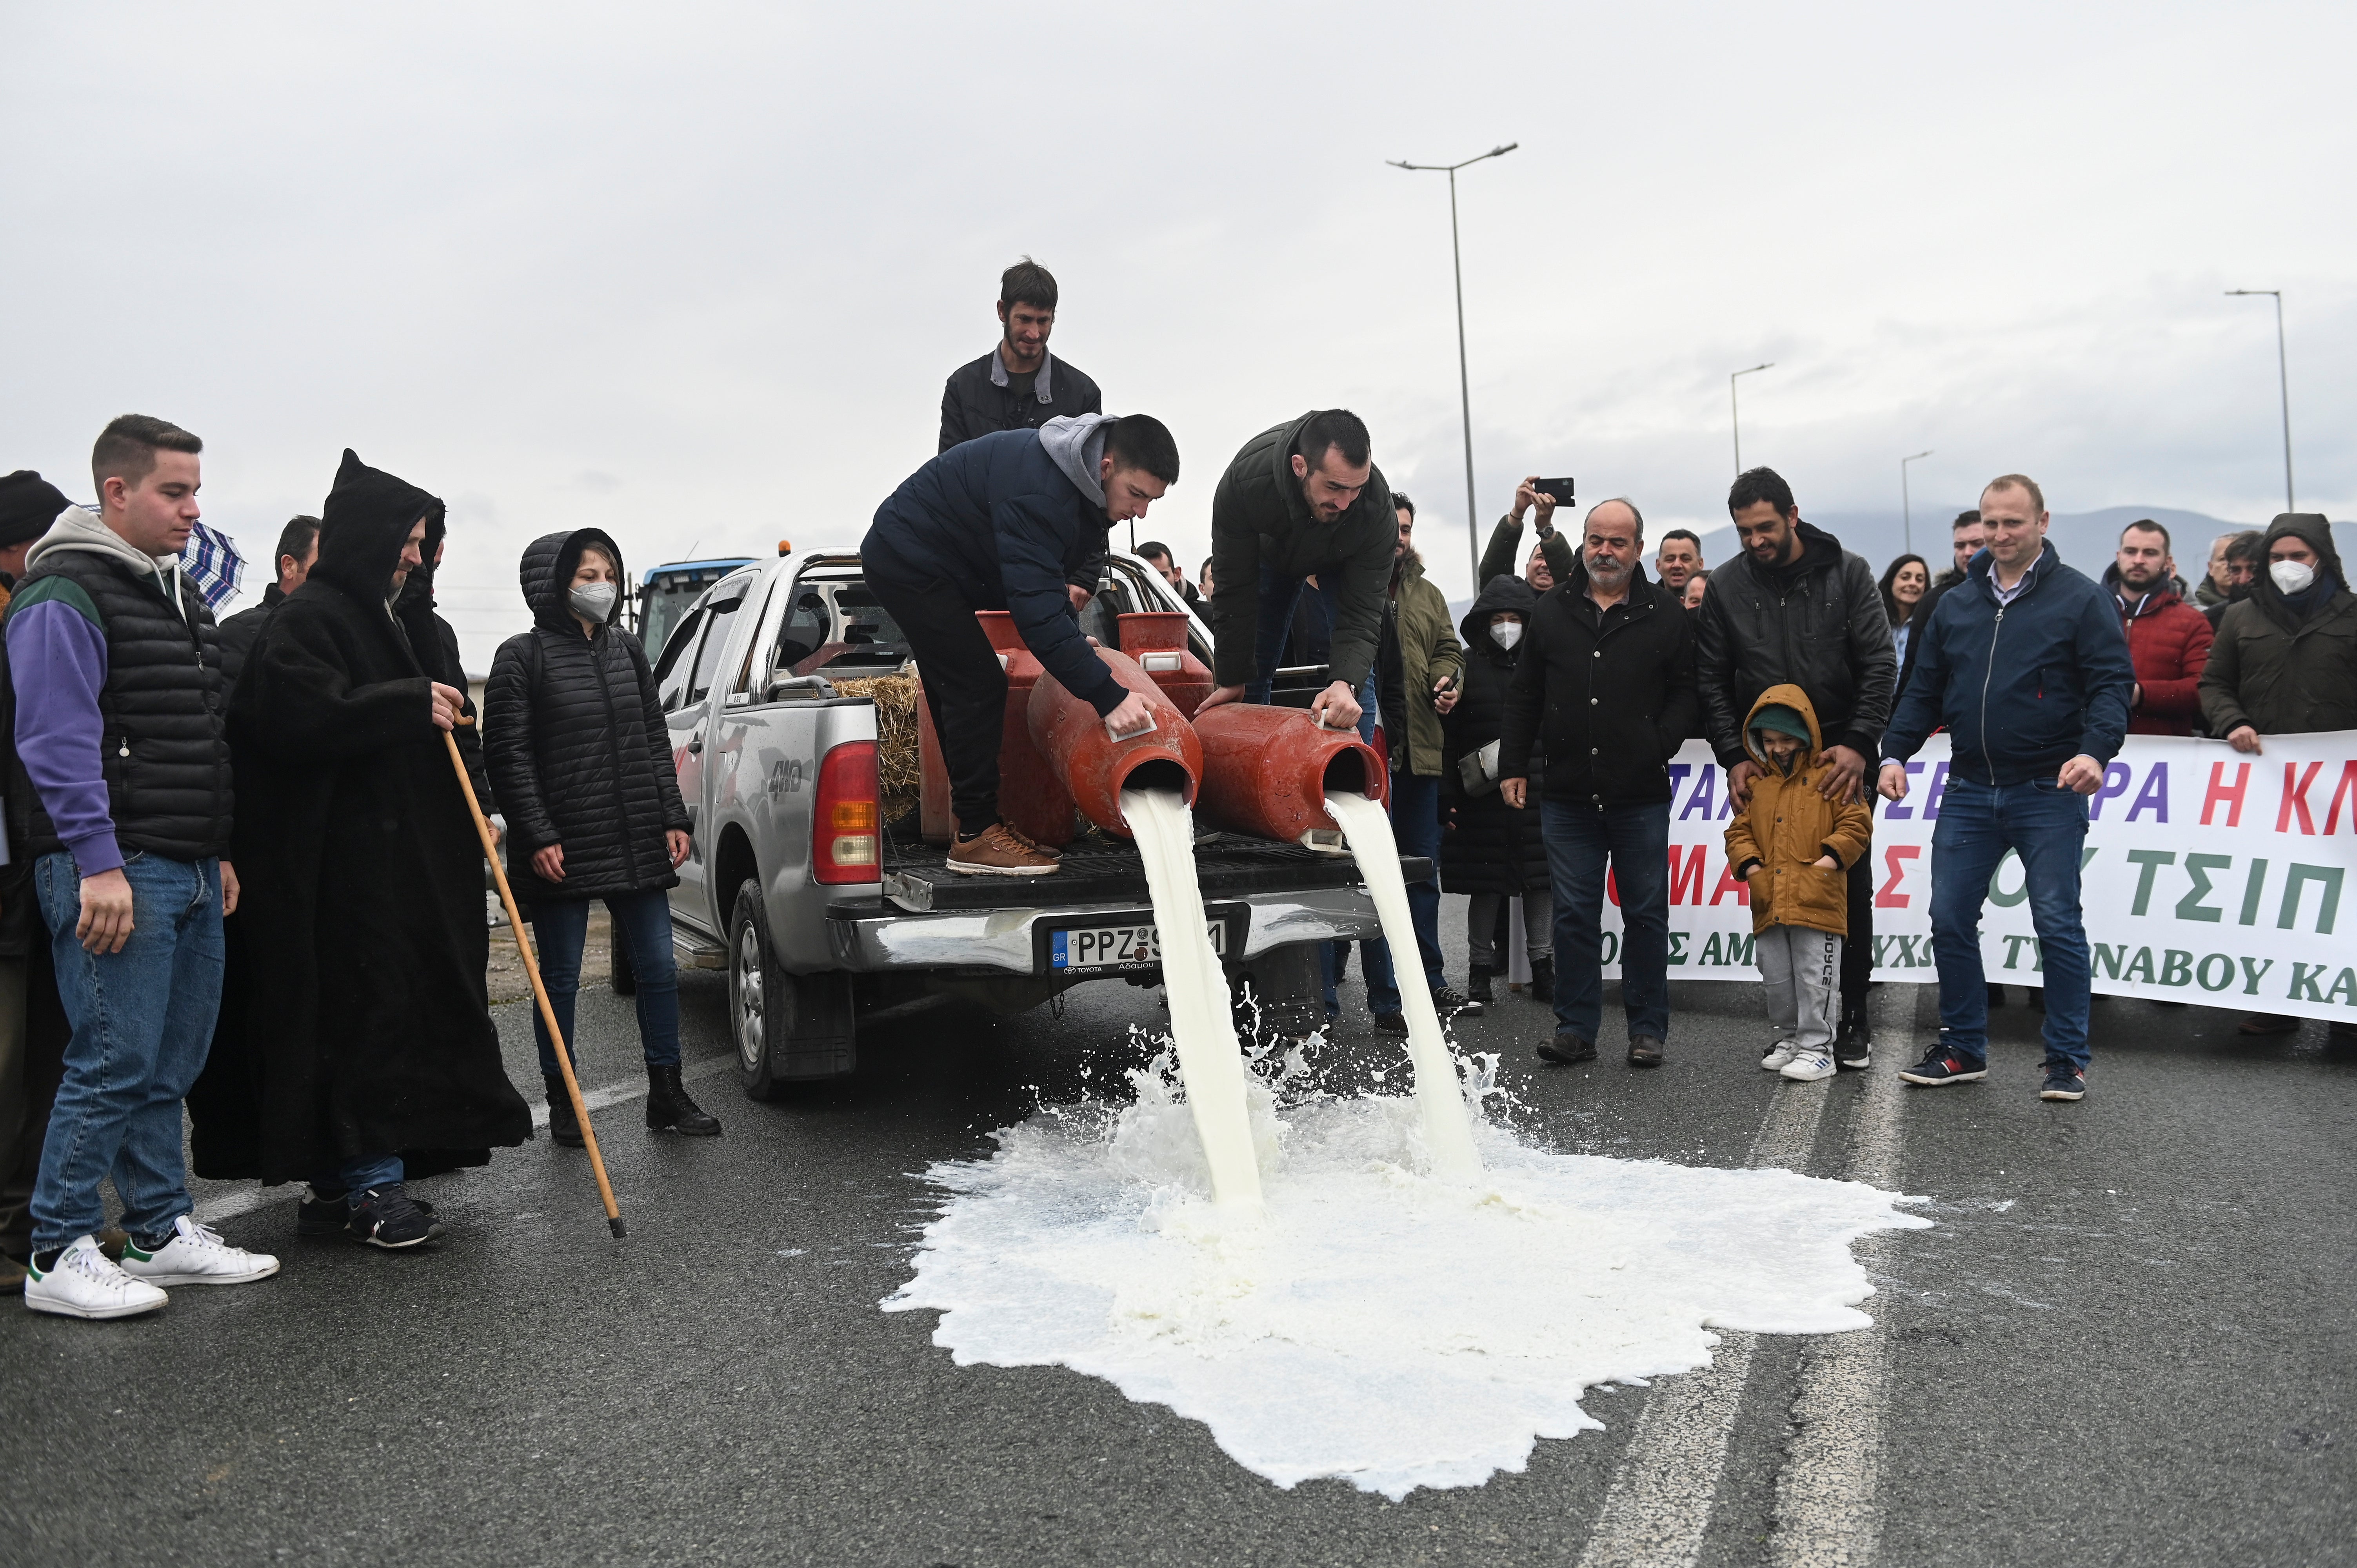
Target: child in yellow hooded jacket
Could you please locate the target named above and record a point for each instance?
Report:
(1795, 847)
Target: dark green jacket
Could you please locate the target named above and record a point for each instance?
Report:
(1428, 651)
(1259, 521)
(2277, 670)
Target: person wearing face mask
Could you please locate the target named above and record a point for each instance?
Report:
(582, 762)
(1493, 852)
(2285, 663)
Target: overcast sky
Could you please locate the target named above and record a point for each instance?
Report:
(694, 273)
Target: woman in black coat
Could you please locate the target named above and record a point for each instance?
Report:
(581, 760)
(1493, 852)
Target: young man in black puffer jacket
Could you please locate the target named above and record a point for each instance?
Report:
(582, 762)
(1607, 684)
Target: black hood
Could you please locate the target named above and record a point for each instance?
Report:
(2312, 529)
(546, 573)
(1502, 592)
(367, 518)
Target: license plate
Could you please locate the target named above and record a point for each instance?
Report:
(1118, 947)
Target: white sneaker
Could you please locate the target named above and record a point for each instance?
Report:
(196, 1255)
(1776, 1058)
(1806, 1066)
(86, 1282)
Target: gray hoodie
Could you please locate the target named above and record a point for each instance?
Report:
(1076, 442)
(80, 528)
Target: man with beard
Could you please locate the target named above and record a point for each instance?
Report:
(2244, 557)
(374, 1059)
(1795, 608)
(2169, 639)
(1606, 683)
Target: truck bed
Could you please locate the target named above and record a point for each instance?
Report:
(1098, 870)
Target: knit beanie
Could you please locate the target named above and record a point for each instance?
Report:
(1783, 721)
(28, 504)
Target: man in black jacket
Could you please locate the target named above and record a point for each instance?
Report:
(1301, 500)
(1019, 385)
(1606, 680)
(1795, 608)
(298, 546)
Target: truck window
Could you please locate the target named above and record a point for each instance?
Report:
(673, 668)
(804, 630)
(718, 619)
(874, 637)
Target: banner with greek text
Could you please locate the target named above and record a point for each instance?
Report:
(2209, 876)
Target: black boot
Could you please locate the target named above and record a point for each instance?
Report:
(1477, 986)
(669, 1107)
(1542, 980)
(562, 1129)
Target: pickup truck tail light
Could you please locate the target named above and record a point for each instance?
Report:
(846, 840)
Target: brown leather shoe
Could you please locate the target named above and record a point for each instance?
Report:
(1644, 1051)
(998, 851)
(1028, 841)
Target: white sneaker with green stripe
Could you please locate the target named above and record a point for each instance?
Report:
(196, 1255)
(83, 1281)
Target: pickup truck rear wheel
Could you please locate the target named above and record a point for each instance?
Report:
(789, 1028)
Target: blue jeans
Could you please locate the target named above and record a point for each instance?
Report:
(1580, 838)
(1279, 594)
(2047, 826)
(643, 926)
(360, 1174)
(143, 1024)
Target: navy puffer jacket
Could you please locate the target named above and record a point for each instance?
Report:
(579, 751)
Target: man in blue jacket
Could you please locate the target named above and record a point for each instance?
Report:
(1001, 523)
(2025, 667)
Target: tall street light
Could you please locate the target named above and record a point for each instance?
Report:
(1464, 383)
(1735, 415)
(1906, 506)
(2283, 382)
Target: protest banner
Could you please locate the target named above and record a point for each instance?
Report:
(2209, 876)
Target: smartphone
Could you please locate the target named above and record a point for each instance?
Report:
(1559, 489)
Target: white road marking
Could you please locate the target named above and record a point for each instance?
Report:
(1660, 1503)
(248, 1199)
(1828, 1509)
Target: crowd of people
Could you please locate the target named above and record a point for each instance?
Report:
(243, 860)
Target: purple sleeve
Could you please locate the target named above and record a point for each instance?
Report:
(57, 659)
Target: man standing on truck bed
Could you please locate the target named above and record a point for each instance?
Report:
(1303, 499)
(1001, 523)
(1019, 385)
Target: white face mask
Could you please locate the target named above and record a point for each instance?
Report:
(594, 601)
(2291, 577)
(1506, 633)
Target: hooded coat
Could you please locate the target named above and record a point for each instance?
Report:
(1491, 848)
(1009, 519)
(2287, 666)
(578, 748)
(1788, 825)
(1261, 522)
(362, 877)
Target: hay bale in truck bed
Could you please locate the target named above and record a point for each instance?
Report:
(900, 777)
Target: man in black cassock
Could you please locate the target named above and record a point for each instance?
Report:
(371, 1054)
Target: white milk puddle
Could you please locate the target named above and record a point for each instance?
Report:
(1369, 1322)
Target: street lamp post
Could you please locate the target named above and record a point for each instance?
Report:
(1464, 383)
(1735, 415)
(2283, 382)
(1906, 506)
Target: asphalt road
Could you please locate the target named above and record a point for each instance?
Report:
(2127, 1339)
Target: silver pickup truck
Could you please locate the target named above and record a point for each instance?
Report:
(826, 918)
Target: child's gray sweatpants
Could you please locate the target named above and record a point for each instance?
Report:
(1803, 969)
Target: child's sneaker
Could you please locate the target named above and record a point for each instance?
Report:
(196, 1255)
(83, 1281)
(1778, 1055)
(1808, 1066)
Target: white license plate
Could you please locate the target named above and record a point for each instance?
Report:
(1117, 947)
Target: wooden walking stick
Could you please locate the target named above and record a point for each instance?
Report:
(531, 969)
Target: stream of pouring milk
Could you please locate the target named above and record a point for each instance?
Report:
(1210, 1061)
(1447, 1129)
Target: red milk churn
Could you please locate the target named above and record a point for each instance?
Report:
(1158, 640)
(1266, 771)
(1093, 765)
(1030, 794)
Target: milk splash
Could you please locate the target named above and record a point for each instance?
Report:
(1371, 1322)
(1448, 1132)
